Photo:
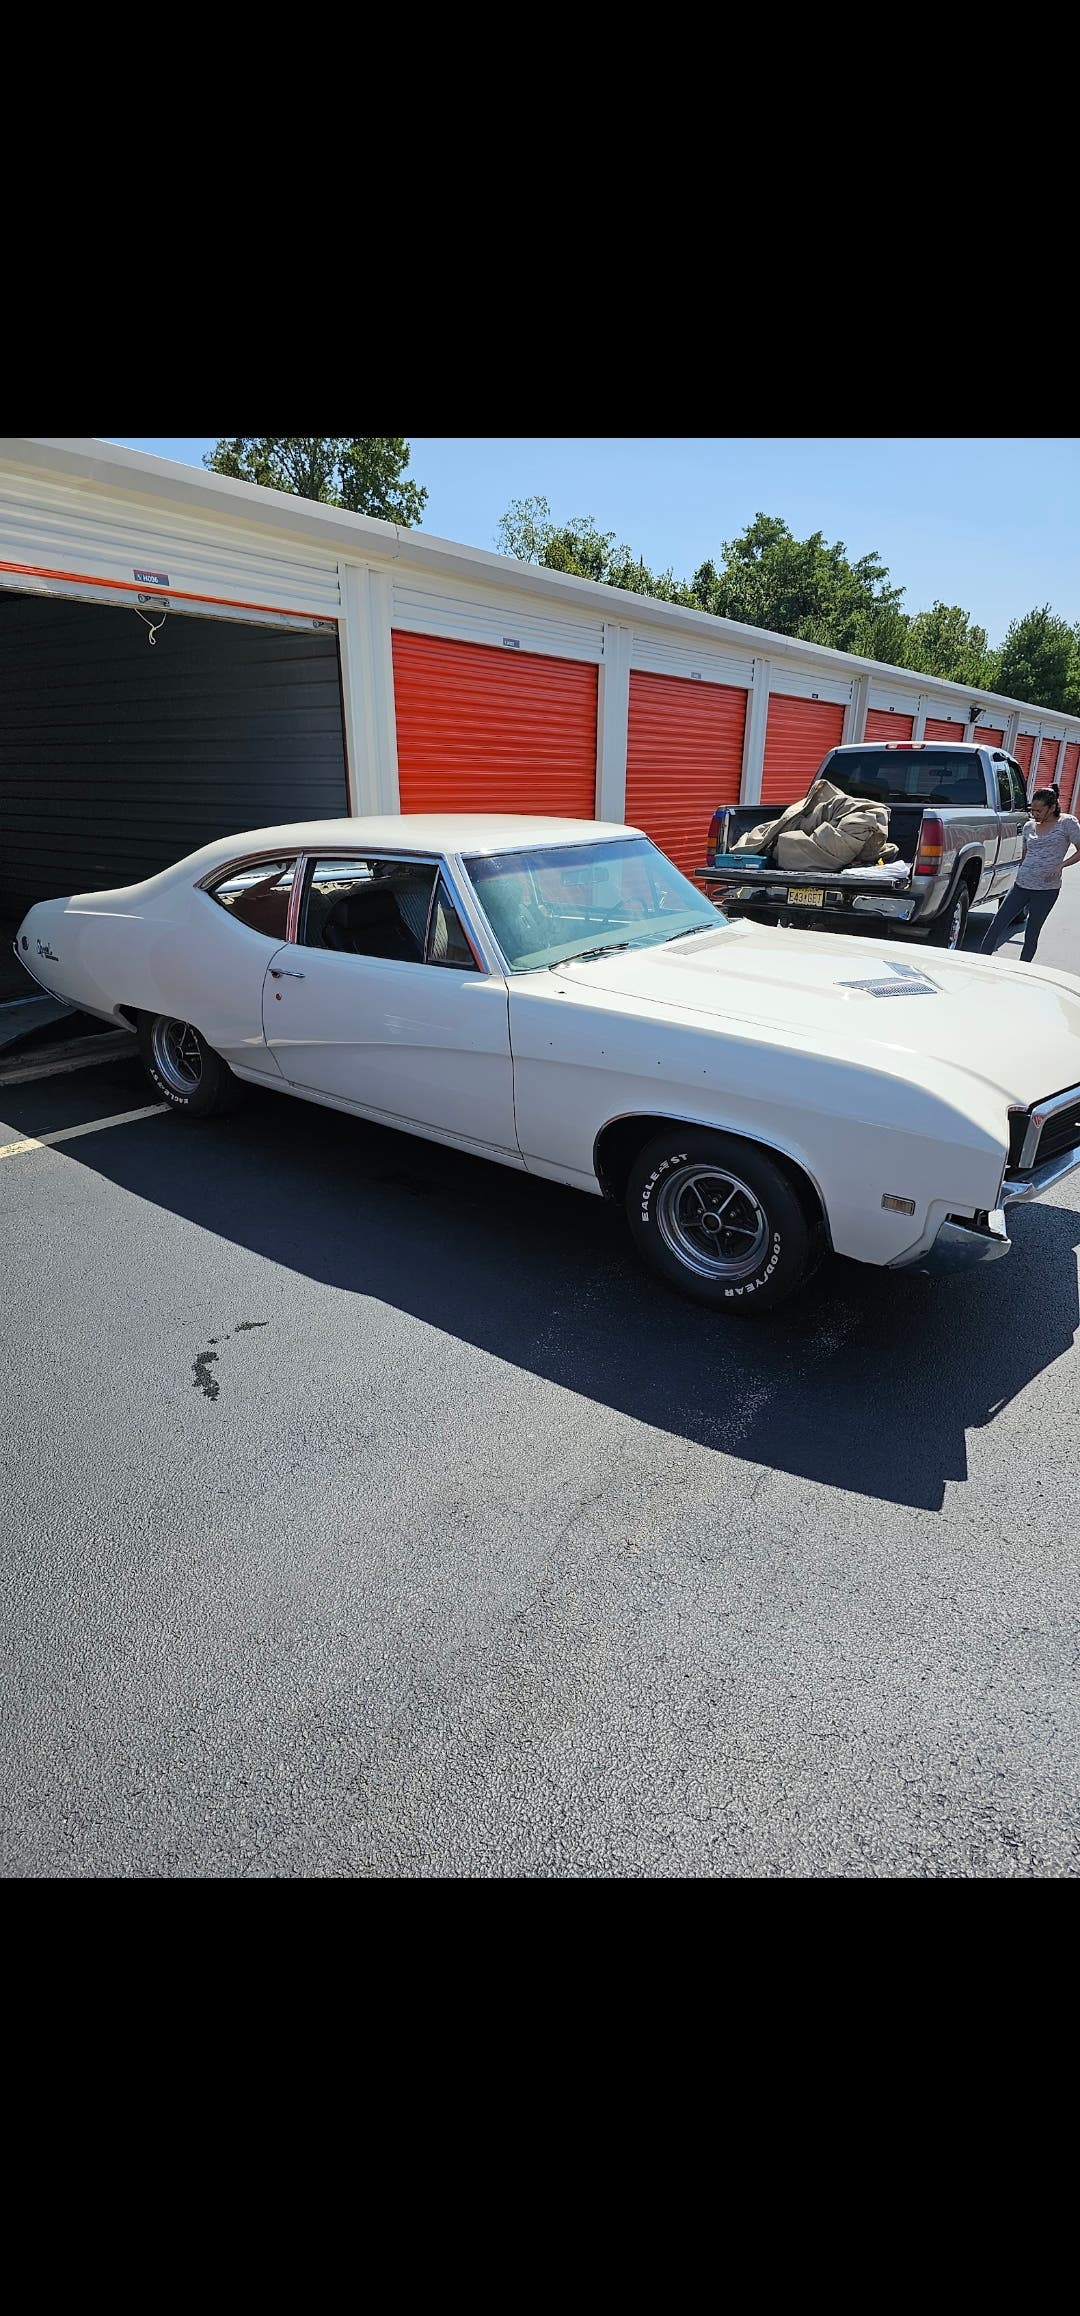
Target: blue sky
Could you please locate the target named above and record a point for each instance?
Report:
(991, 524)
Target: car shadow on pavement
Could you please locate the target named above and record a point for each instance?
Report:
(867, 1381)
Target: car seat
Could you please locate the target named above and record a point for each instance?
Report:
(367, 923)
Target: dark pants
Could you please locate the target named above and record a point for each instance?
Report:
(1038, 904)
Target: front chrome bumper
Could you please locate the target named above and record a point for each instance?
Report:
(960, 1245)
(1041, 1178)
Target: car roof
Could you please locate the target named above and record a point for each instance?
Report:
(437, 832)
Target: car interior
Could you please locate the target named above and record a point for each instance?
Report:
(362, 910)
(382, 911)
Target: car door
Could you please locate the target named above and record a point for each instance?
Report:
(383, 1003)
(1015, 814)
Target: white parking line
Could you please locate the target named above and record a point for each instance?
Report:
(71, 1133)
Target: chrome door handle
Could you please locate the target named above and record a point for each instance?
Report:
(284, 973)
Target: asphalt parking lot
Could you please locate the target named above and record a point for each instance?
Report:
(368, 1510)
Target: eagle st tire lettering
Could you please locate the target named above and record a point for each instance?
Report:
(678, 1159)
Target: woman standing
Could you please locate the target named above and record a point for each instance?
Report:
(1048, 836)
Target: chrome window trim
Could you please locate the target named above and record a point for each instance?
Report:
(464, 899)
(295, 897)
(426, 957)
(501, 963)
(232, 868)
(441, 864)
(220, 876)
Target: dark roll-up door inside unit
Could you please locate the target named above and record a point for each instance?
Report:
(118, 756)
(798, 734)
(485, 730)
(888, 724)
(683, 759)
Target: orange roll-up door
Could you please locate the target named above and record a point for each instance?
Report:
(798, 734)
(1047, 765)
(683, 758)
(939, 728)
(885, 724)
(1023, 751)
(484, 730)
(1067, 783)
(986, 738)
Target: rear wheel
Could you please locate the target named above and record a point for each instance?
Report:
(719, 1220)
(948, 930)
(182, 1068)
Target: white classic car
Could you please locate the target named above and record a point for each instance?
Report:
(555, 995)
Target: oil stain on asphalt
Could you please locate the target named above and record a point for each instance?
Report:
(202, 1380)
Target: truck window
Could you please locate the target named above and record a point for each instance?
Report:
(909, 776)
(1004, 787)
(1019, 792)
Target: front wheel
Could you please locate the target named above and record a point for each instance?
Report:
(719, 1220)
(948, 930)
(182, 1068)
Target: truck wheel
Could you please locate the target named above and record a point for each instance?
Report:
(720, 1220)
(947, 931)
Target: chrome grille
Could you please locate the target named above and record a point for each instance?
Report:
(1049, 1129)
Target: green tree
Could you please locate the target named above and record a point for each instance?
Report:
(365, 475)
(1039, 660)
(804, 587)
(527, 531)
(943, 642)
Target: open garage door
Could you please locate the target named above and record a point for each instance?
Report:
(118, 754)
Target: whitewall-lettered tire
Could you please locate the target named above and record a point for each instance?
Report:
(719, 1219)
(182, 1068)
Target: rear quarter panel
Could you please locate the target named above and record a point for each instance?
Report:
(176, 952)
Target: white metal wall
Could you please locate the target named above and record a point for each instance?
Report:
(90, 538)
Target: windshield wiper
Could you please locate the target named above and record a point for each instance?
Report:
(686, 932)
(580, 956)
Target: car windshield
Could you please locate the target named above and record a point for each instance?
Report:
(576, 900)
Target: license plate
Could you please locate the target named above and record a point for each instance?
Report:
(806, 896)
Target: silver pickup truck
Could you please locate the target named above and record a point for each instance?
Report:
(956, 814)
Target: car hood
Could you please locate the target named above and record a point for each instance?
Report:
(1016, 1027)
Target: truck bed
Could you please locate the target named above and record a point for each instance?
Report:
(905, 821)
